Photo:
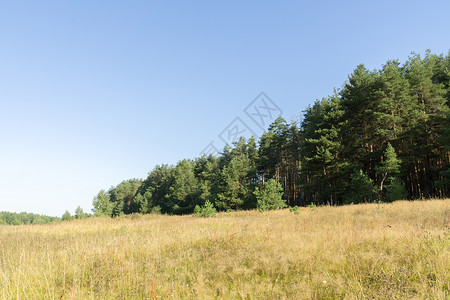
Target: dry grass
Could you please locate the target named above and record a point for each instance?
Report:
(392, 251)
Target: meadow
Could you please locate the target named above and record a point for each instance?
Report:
(383, 251)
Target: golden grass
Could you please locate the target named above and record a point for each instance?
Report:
(390, 251)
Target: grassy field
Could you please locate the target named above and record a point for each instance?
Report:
(390, 251)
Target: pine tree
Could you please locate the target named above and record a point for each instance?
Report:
(184, 191)
(444, 181)
(395, 189)
(206, 211)
(359, 99)
(424, 152)
(156, 188)
(235, 184)
(392, 105)
(323, 168)
(123, 195)
(144, 202)
(390, 165)
(66, 216)
(270, 195)
(206, 170)
(361, 189)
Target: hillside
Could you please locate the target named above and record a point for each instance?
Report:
(396, 251)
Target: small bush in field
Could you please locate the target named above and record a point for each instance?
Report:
(294, 209)
(395, 190)
(156, 210)
(206, 211)
(270, 196)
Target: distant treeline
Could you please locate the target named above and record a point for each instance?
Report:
(385, 135)
(23, 218)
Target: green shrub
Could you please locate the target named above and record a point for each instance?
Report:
(270, 196)
(294, 209)
(395, 190)
(206, 211)
(66, 216)
(361, 189)
(156, 210)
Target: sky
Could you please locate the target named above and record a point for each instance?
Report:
(96, 92)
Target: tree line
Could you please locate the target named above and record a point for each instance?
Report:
(23, 218)
(384, 136)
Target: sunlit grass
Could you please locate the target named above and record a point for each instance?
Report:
(391, 251)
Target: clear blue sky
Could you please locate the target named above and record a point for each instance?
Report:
(95, 92)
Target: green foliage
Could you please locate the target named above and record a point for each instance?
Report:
(118, 209)
(444, 181)
(392, 123)
(156, 187)
(235, 184)
(397, 105)
(144, 202)
(270, 195)
(156, 209)
(120, 199)
(24, 218)
(361, 189)
(102, 204)
(395, 190)
(390, 165)
(294, 209)
(184, 191)
(80, 214)
(123, 197)
(278, 157)
(206, 211)
(66, 216)
(322, 171)
(206, 170)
